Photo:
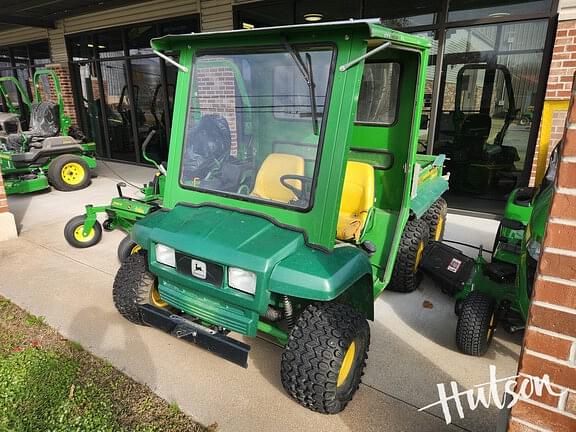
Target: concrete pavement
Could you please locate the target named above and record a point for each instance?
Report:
(412, 348)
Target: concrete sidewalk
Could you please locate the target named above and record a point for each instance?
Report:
(412, 347)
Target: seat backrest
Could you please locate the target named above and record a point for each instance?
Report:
(44, 119)
(276, 165)
(357, 199)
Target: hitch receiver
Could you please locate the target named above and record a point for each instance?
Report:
(182, 328)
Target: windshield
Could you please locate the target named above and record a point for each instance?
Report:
(253, 121)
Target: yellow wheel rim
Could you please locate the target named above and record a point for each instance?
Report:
(491, 327)
(135, 249)
(79, 234)
(419, 254)
(73, 173)
(438, 232)
(155, 299)
(346, 364)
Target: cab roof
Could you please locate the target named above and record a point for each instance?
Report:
(373, 29)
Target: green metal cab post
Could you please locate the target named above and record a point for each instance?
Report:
(294, 197)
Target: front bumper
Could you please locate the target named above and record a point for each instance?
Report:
(182, 328)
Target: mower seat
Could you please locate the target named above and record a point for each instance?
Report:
(275, 166)
(357, 199)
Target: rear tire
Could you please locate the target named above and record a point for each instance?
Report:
(476, 324)
(135, 285)
(127, 247)
(69, 173)
(405, 276)
(435, 217)
(73, 233)
(323, 362)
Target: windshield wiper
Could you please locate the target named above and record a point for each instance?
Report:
(308, 77)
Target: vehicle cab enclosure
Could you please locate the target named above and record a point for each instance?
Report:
(291, 167)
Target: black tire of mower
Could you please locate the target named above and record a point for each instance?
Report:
(473, 334)
(76, 222)
(433, 215)
(55, 173)
(126, 248)
(132, 286)
(314, 355)
(404, 278)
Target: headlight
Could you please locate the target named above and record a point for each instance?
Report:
(242, 280)
(165, 255)
(533, 248)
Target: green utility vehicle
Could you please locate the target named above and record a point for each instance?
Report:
(44, 154)
(499, 291)
(84, 230)
(294, 197)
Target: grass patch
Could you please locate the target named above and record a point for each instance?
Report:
(48, 383)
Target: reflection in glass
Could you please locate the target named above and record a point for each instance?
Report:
(488, 91)
(232, 144)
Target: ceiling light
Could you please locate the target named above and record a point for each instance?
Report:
(101, 46)
(313, 17)
(247, 26)
(90, 46)
(499, 14)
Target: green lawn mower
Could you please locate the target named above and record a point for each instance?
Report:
(122, 213)
(499, 291)
(295, 197)
(45, 154)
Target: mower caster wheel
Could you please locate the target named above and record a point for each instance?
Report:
(107, 225)
(325, 356)
(135, 285)
(69, 173)
(435, 217)
(405, 276)
(476, 324)
(127, 247)
(74, 233)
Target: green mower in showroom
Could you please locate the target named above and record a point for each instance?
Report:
(294, 198)
(45, 154)
(499, 291)
(122, 213)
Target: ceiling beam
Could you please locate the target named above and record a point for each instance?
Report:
(26, 21)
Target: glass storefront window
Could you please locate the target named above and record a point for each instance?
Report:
(108, 44)
(460, 10)
(308, 11)
(118, 117)
(489, 82)
(402, 14)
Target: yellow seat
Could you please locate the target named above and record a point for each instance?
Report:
(275, 166)
(357, 199)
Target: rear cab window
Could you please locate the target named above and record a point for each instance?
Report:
(378, 98)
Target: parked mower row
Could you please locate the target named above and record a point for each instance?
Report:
(45, 154)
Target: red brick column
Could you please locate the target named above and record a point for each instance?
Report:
(559, 83)
(7, 223)
(66, 87)
(550, 342)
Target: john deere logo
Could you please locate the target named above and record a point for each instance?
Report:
(199, 269)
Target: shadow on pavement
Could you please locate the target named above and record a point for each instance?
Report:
(93, 324)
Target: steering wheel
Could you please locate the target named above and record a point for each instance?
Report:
(306, 182)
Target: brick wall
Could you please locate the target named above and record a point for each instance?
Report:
(66, 87)
(562, 69)
(217, 94)
(550, 342)
(3, 200)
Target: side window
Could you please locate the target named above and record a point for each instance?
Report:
(378, 98)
